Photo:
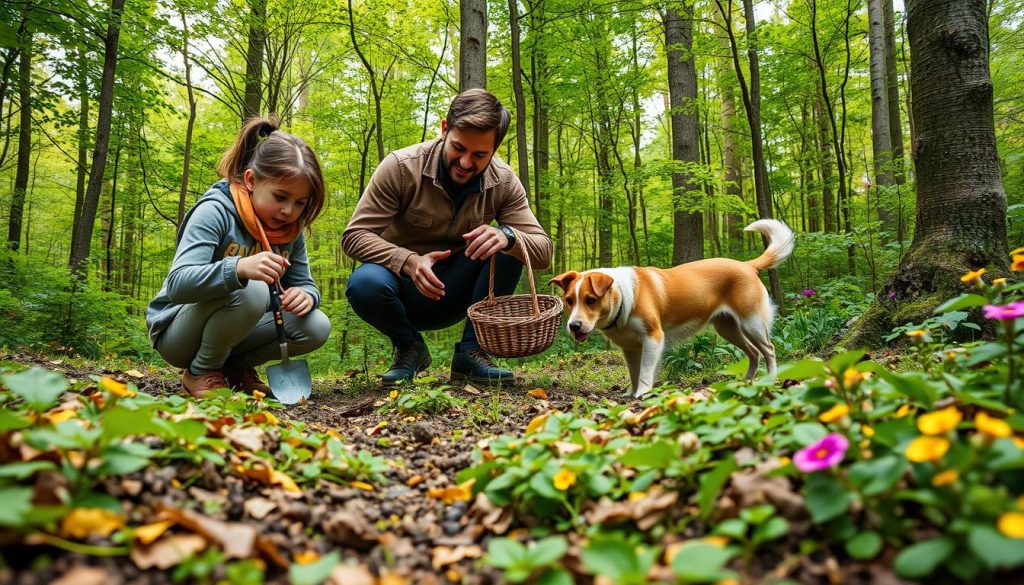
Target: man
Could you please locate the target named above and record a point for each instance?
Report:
(423, 233)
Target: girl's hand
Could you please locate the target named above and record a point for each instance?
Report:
(265, 266)
(297, 301)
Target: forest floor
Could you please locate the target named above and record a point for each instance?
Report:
(394, 530)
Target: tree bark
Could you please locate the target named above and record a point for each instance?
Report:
(377, 93)
(254, 58)
(24, 140)
(522, 155)
(80, 247)
(892, 82)
(881, 146)
(732, 220)
(82, 172)
(183, 193)
(472, 44)
(961, 212)
(688, 224)
(541, 123)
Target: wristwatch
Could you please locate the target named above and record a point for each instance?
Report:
(510, 234)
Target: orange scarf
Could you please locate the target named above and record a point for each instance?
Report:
(243, 203)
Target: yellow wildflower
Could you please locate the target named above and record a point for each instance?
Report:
(393, 394)
(258, 396)
(81, 523)
(116, 388)
(945, 478)
(939, 422)
(903, 411)
(835, 413)
(972, 277)
(1018, 263)
(999, 283)
(919, 336)
(564, 480)
(868, 431)
(306, 557)
(991, 426)
(1019, 250)
(924, 449)
(1019, 442)
(1011, 524)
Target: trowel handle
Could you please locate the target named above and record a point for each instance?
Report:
(275, 306)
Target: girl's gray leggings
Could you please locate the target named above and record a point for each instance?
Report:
(237, 331)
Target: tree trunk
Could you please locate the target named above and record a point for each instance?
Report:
(825, 162)
(80, 247)
(82, 172)
(732, 220)
(254, 58)
(377, 93)
(961, 211)
(688, 236)
(881, 147)
(522, 155)
(892, 82)
(183, 193)
(24, 141)
(541, 123)
(473, 44)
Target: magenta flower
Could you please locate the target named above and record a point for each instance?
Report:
(827, 452)
(1005, 312)
(808, 292)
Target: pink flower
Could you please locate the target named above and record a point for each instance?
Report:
(1005, 312)
(827, 452)
(808, 292)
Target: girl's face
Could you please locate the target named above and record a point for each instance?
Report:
(278, 202)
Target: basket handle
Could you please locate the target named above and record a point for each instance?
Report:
(529, 273)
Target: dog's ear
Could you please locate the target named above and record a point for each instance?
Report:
(601, 283)
(564, 280)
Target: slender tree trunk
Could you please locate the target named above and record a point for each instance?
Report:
(522, 155)
(377, 94)
(254, 58)
(688, 236)
(183, 193)
(24, 141)
(733, 220)
(825, 162)
(541, 122)
(881, 147)
(80, 247)
(82, 171)
(961, 224)
(473, 44)
(892, 82)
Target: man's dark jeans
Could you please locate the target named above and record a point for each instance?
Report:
(395, 308)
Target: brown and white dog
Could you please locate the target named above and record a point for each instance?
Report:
(645, 310)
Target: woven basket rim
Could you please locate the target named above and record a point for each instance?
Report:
(479, 314)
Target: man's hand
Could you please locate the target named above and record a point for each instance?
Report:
(484, 242)
(296, 301)
(420, 269)
(265, 266)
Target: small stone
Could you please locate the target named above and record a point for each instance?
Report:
(451, 528)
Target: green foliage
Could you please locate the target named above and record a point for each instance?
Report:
(422, 398)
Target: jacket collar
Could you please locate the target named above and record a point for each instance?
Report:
(433, 163)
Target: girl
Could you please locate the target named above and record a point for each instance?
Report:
(212, 315)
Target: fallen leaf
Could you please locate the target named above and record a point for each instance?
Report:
(595, 436)
(389, 578)
(540, 393)
(446, 555)
(361, 485)
(566, 448)
(351, 373)
(471, 389)
(82, 523)
(306, 557)
(263, 473)
(350, 528)
(135, 374)
(84, 576)
(148, 533)
(237, 540)
(351, 575)
(167, 552)
(451, 494)
(495, 518)
(537, 422)
(258, 508)
(643, 415)
(248, 438)
(264, 417)
(377, 429)
(415, 480)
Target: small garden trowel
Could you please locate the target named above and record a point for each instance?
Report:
(289, 380)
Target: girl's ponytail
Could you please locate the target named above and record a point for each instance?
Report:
(234, 162)
(271, 154)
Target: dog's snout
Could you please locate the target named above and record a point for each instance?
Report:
(575, 326)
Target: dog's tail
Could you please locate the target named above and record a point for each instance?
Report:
(780, 243)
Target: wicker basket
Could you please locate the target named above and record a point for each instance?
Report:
(516, 325)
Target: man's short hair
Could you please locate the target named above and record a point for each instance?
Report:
(478, 109)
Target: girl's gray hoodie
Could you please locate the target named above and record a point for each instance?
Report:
(210, 242)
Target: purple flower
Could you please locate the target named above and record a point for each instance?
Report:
(1005, 312)
(808, 292)
(892, 295)
(827, 452)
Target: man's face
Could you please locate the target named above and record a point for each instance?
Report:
(466, 152)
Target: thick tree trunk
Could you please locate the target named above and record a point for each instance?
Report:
(24, 141)
(522, 155)
(688, 236)
(892, 82)
(881, 146)
(472, 44)
(961, 212)
(254, 58)
(80, 247)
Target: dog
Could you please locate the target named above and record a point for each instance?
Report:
(646, 310)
